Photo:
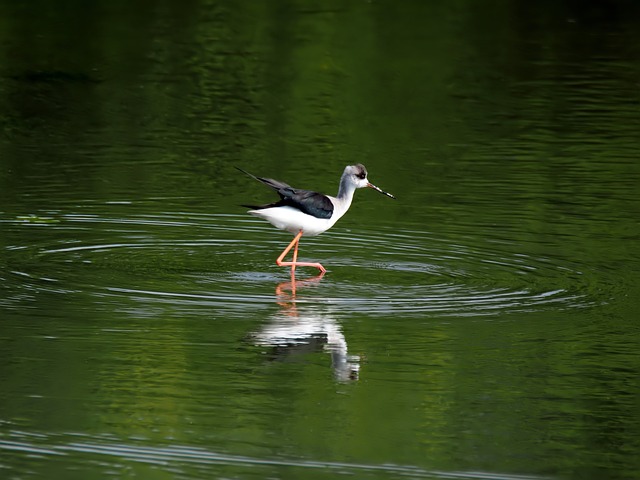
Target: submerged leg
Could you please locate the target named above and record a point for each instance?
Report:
(295, 263)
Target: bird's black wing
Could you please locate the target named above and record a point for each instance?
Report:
(270, 182)
(311, 203)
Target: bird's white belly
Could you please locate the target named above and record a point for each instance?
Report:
(293, 220)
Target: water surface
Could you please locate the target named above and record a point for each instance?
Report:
(484, 325)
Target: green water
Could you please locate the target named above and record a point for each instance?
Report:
(483, 325)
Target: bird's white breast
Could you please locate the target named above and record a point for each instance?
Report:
(293, 220)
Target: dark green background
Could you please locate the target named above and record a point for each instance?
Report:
(492, 309)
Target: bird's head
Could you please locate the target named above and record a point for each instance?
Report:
(357, 176)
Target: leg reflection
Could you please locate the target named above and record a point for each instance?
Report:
(291, 286)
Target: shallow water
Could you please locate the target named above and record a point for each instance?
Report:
(483, 325)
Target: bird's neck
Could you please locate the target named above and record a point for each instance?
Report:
(346, 190)
(345, 195)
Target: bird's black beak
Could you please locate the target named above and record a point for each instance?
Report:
(371, 185)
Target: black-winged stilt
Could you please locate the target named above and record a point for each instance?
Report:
(303, 212)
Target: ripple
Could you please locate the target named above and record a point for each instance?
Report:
(226, 261)
(76, 449)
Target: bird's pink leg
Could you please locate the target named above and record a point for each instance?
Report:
(295, 241)
(295, 259)
(293, 269)
(295, 263)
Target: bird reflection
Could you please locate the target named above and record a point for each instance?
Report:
(297, 330)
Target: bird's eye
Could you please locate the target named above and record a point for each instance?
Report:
(362, 175)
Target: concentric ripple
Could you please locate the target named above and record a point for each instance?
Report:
(195, 462)
(190, 260)
(417, 272)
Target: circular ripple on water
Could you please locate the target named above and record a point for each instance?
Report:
(415, 272)
(226, 262)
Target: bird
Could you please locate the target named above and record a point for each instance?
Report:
(305, 212)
